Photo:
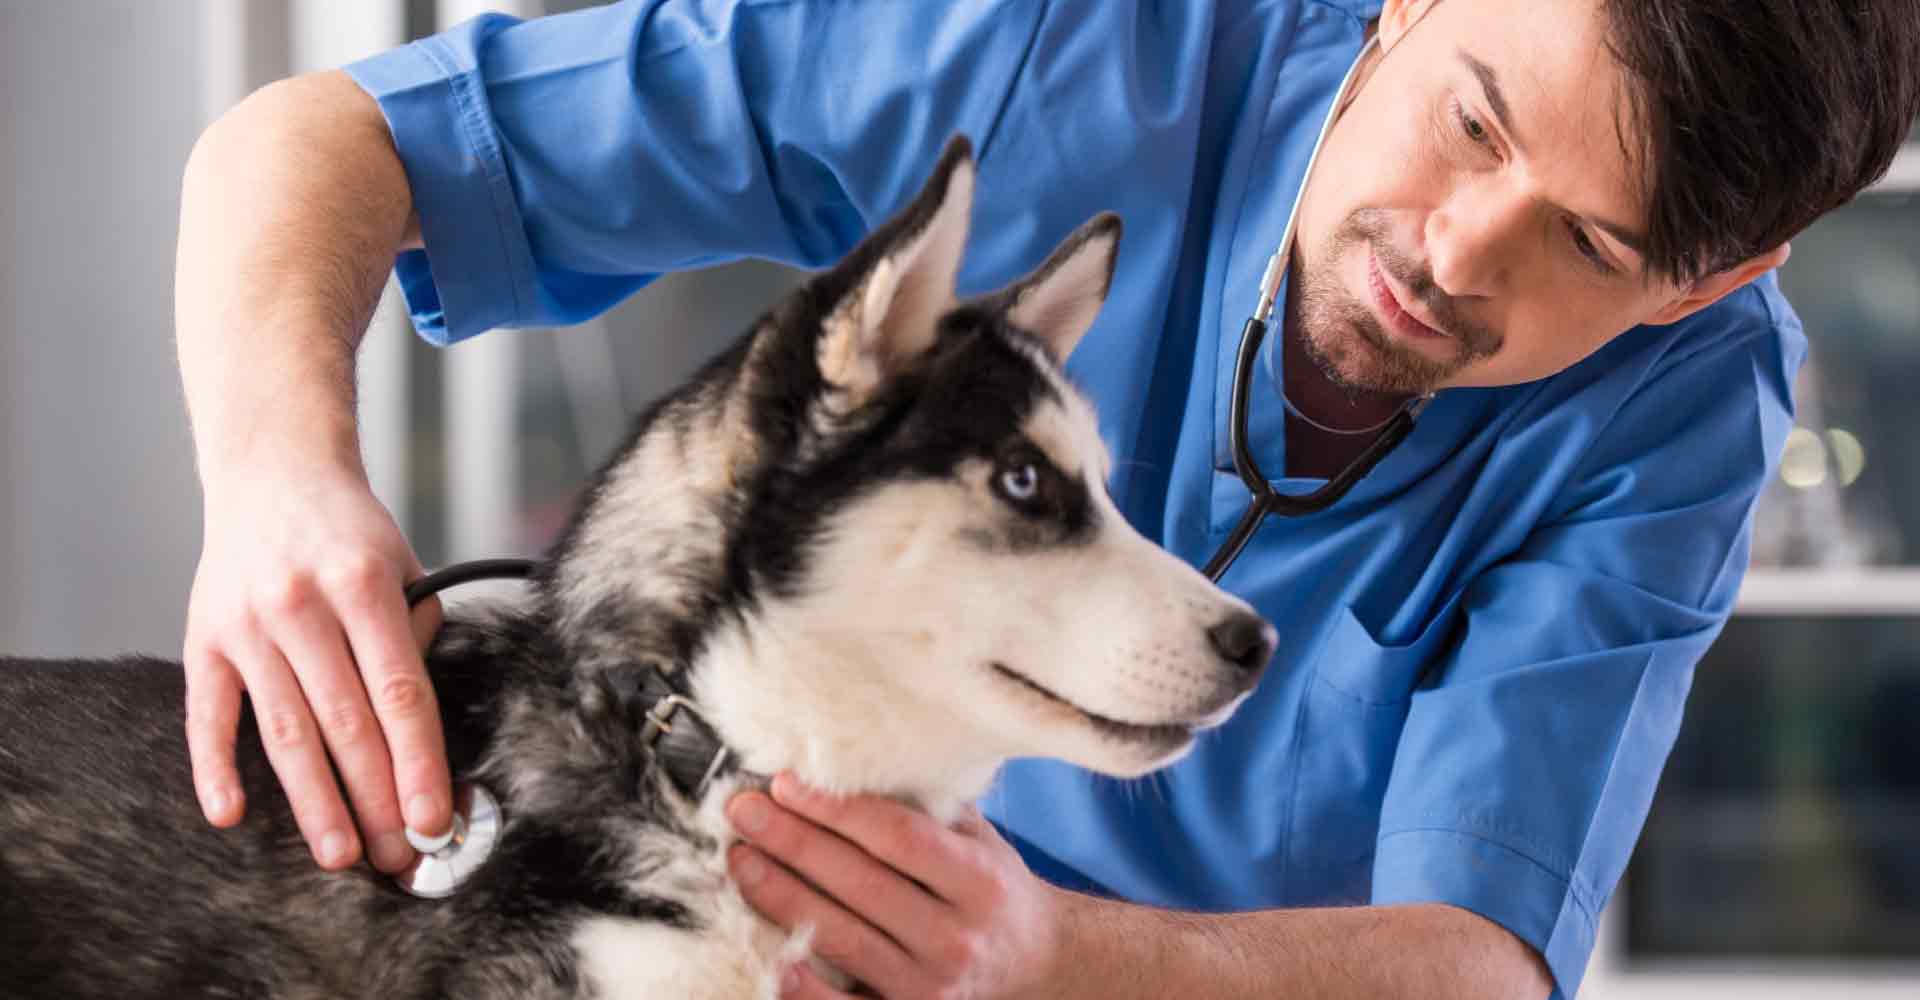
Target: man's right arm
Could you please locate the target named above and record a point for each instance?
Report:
(293, 205)
(548, 168)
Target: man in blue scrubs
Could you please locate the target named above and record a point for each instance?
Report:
(1561, 215)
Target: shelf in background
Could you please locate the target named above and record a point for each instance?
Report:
(1886, 590)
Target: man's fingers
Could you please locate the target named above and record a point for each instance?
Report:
(905, 838)
(800, 983)
(293, 744)
(386, 647)
(317, 650)
(883, 896)
(213, 722)
(851, 944)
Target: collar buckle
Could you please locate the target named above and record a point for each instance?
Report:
(660, 722)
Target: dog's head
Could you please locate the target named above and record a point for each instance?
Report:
(934, 560)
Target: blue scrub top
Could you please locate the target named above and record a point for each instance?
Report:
(1484, 648)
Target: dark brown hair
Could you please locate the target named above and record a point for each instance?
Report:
(1752, 118)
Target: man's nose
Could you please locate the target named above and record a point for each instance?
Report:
(1472, 236)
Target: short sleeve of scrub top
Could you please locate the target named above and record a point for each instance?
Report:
(559, 164)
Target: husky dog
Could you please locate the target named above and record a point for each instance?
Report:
(870, 544)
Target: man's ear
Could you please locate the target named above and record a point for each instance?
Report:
(1057, 303)
(1714, 287)
(895, 286)
(1398, 17)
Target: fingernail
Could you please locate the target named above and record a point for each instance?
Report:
(749, 814)
(336, 848)
(788, 788)
(790, 979)
(391, 852)
(421, 813)
(748, 867)
(217, 802)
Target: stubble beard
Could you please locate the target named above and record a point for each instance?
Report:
(1345, 339)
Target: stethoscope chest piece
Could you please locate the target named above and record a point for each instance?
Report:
(447, 861)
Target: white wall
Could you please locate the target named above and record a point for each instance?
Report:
(99, 508)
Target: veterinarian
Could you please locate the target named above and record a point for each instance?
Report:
(1560, 217)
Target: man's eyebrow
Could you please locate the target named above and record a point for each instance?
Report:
(1635, 241)
(1497, 100)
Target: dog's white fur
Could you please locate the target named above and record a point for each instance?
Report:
(874, 677)
(737, 955)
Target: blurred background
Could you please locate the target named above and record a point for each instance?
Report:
(1782, 857)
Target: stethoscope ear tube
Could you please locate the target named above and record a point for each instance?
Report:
(1265, 500)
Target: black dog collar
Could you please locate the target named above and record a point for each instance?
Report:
(675, 734)
(679, 739)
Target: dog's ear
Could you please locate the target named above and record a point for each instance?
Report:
(900, 280)
(1057, 303)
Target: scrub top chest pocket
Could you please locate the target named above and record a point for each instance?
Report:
(1351, 715)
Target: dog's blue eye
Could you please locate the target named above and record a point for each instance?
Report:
(1020, 481)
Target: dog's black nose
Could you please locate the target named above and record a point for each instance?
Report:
(1244, 640)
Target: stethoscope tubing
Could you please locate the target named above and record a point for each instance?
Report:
(1267, 500)
(459, 573)
(1264, 498)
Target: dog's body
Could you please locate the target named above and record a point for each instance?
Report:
(870, 543)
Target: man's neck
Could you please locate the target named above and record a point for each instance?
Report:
(1311, 452)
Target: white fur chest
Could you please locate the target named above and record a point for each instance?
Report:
(734, 955)
(731, 954)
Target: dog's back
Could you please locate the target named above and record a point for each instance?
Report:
(102, 846)
(98, 843)
(871, 546)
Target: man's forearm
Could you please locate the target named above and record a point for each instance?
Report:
(1118, 951)
(292, 207)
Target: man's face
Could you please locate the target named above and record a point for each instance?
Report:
(1478, 180)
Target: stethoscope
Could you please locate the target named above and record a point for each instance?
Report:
(445, 862)
(1265, 499)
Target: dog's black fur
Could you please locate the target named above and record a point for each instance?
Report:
(113, 885)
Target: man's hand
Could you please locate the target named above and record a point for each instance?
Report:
(297, 602)
(907, 907)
